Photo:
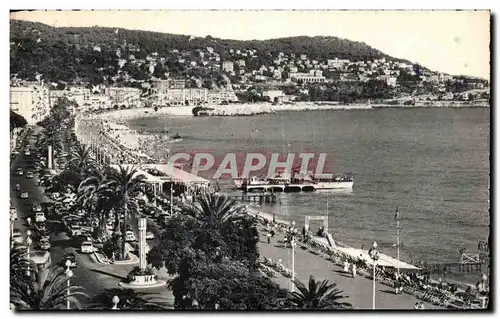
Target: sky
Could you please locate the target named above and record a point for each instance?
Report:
(453, 42)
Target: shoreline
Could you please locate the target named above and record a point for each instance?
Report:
(266, 108)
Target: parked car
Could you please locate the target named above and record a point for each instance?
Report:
(68, 256)
(17, 237)
(150, 235)
(40, 226)
(27, 152)
(29, 175)
(75, 230)
(87, 247)
(19, 171)
(36, 208)
(24, 195)
(13, 212)
(44, 245)
(129, 236)
(40, 217)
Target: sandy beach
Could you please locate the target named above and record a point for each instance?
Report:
(229, 110)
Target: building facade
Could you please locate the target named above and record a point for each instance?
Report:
(124, 97)
(31, 102)
(305, 78)
(227, 66)
(220, 96)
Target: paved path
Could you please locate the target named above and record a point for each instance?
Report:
(359, 290)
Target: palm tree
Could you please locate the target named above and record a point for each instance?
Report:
(215, 209)
(19, 264)
(48, 290)
(126, 184)
(129, 300)
(81, 160)
(98, 200)
(319, 295)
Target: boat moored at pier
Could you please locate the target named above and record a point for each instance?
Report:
(297, 183)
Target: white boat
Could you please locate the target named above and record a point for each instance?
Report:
(338, 181)
(241, 182)
(333, 185)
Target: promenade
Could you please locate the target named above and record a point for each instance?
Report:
(359, 289)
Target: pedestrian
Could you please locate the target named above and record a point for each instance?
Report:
(269, 238)
(346, 266)
(353, 270)
(422, 307)
(417, 306)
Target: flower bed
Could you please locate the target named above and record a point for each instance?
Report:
(278, 267)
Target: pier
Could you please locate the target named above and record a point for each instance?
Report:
(261, 198)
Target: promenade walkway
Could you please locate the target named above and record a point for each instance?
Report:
(359, 290)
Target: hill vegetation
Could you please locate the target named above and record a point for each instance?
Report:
(93, 54)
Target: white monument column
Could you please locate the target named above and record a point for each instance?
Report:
(142, 243)
(49, 157)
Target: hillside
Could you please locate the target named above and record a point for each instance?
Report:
(69, 54)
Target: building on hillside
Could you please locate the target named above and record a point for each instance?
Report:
(124, 97)
(220, 96)
(31, 102)
(79, 94)
(177, 97)
(337, 63)
(100, 102)
(306, 78)
(176, 83)
(227, 66)
(390, 80)
(274, 95)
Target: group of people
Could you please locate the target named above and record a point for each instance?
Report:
(419, 305)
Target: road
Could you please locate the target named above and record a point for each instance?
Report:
(91, 276)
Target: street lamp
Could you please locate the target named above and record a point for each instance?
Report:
(115, 301)
(374, 255)
(69, 274)
(28, 242)
(12, 220)
(483, 289)
(292, 233)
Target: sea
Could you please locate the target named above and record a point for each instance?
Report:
(433, 164)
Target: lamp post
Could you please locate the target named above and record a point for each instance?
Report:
(12, 220)
(483, 289)
(69, 274)
(171, 198)
(115, 301)
(292, 233)
(28, 242)
(374, 255)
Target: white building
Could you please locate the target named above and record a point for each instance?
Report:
(274, 94)
(227, 66)
(124, 96)
(337, 63)
(31, 102)
(182, 96)
(307, 78)
(219, 96)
